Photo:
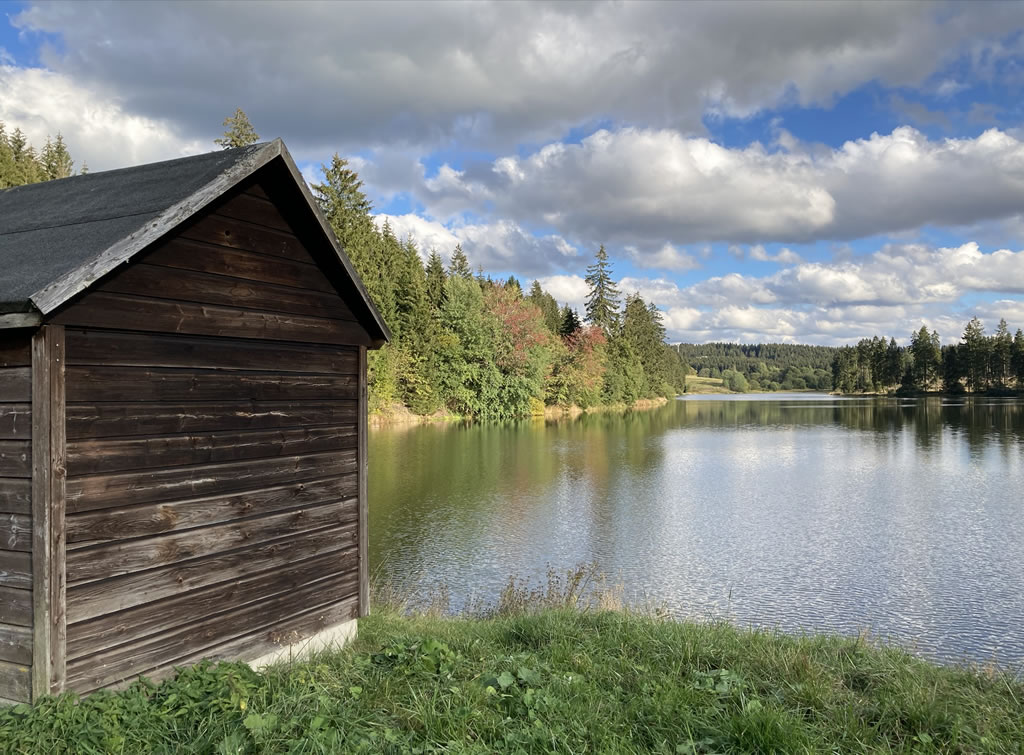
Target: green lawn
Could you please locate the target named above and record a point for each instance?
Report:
(696, 384)
(554, 681)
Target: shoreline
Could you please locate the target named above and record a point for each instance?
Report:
(399, 415)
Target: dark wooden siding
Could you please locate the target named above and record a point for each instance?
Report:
(15, 518)
(212, 489)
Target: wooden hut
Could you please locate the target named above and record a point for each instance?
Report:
(182, 421)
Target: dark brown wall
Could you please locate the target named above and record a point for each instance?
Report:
(15, 517)
(212, 487)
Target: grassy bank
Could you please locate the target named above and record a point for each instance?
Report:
(554, 681)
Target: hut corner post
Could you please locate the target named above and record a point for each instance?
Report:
(49, 625)
(364, 539)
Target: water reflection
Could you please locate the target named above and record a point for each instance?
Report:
(806, 512)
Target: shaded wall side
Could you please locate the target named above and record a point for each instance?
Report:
(15, 517)
(212, 435)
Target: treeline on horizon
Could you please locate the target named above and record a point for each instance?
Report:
(977, 363)
(761, 366)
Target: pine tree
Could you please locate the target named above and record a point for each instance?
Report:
(1000, 355)
(459, 265)
(546, 303)
(8, 170)
(893, 367)
(513, 285)
(347, 210)
(975, 355)
(56, 159)
(1017, 358)
(239, 131)
(411, 307)
(570, 322)
(924, 347)
(436, 277)
(602, 306)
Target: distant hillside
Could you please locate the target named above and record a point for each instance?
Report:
(762, 366)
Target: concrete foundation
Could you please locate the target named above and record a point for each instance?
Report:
(331, 638)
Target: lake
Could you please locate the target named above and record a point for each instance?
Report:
(804, 512)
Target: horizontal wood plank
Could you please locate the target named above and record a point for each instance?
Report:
(16, 532)
(126, 556)
(185, 285)
(152, 350)
(105, 420)
(16, 644)
(15, 495)
(92, 599)
(91, 456)
(254, 209)
(252, 645)
(184, 254)
(156, 618)
(16, 569)
(146, 520)
(15, 458)
(93, 383)
(92, 492)
(219, 229)
(16, 682)
(15, 351)
(102, 310)
(15, 606)
(16, 421)
(206, 630)
(15, 384)
(89, 383)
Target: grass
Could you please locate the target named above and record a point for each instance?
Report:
(548, 670)
(696, 384)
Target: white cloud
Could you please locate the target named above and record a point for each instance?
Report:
(891, 292)
(497, 247)
(656, 189)
(495, 72)
(96, 127)
(567, 289)
(784, 256)
(665, 257)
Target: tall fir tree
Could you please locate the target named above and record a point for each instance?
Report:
(347, 209)
(436, 277)
(1017, 358)
(56, 159)
(570, 322)
(1001, 355)
(238, 132)
(976, 362)
(602, 305)
(459, 267)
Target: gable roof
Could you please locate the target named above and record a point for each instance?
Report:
(57, 238)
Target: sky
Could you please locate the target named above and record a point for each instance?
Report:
(769, 171)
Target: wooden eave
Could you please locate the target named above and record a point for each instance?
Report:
(56, 294)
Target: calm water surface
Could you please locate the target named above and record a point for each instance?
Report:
(802, 511)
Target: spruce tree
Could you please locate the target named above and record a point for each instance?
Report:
(436, 277)
(1017, 358)
(459, 265)
(239, 131)
(570, 322)
(602, 306)
(1000, 355)
(56, 159)
(975, 355)
(347, 210)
